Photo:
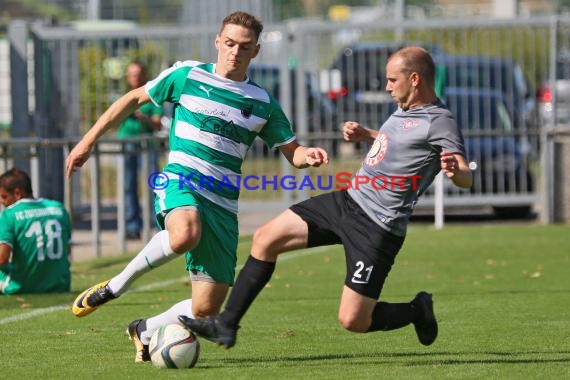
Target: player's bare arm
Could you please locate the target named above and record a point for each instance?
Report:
(112, 117)
(352, 131)
(456, 168)
(5, 251)
(302, 157)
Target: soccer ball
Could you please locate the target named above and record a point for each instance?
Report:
(173, 346)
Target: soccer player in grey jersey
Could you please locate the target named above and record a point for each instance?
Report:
(218, 113)
(369, 219)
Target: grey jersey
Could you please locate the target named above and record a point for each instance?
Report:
(403, 162)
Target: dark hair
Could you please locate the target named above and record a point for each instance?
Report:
(417, 59)
(16, 179)
(243, 19)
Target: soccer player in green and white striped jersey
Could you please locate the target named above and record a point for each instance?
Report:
(218, 112)
(34, 239)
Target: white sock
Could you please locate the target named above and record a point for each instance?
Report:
(166, 318)
(154, 254)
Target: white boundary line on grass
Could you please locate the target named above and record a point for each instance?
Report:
(154, 285)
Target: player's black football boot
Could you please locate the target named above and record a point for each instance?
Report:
(426, 324)
(212, 329)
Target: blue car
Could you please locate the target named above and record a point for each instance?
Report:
(500, 74)
(497, 153)
(362, 94)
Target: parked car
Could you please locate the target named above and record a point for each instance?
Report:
(362, 92)
(554, 97)
(497, 153)
(501, 74)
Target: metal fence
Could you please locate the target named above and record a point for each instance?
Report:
(322, 80)
(99, 185)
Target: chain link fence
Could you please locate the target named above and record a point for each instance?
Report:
(324, 73)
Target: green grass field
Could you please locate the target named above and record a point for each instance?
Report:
(501, 294)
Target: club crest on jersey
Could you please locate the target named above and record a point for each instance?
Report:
(378, 150)
(408, 123)
(246, 112)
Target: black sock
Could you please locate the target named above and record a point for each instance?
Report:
(390, 316)
(253, 277)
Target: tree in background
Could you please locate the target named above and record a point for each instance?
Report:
(33, 10)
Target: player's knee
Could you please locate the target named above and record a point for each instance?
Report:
(203, 311)
(261, 245)
(353, 323)
(260, 237)
(184, 239)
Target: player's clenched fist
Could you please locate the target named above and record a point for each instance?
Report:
(316, 157)
(353, 131)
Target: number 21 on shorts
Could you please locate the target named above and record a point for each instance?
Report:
(362, 273)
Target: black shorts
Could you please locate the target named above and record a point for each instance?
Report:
(335, 218)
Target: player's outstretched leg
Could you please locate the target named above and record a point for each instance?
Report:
(426, 323)
(91, 298)
(211, 328)
(141, 350)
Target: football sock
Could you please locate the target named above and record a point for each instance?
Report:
(168, 317)
(390, 316)
(251, 279)
(154, 254)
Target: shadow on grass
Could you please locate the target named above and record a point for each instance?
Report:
(438, 358)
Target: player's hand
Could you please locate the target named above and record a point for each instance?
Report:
(77, 157)
(140, 116)
(316, 157)
(449, 163)
(353, 131)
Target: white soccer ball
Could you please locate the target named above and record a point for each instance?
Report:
(173, 346)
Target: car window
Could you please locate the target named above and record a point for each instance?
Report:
(479, 113)
(363, 69)
(471, 75)
(504, 118)
(520, 81)
(363, 66)
(563, 69)
(267, 78)
(501, 75)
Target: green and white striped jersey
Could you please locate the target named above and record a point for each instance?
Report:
(39, 232)
(214, 123)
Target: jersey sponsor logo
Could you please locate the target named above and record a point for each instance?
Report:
(408, 123)
(246, 112)
(212, 112)
(378, 150)
(220, 127)
(206, 90)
